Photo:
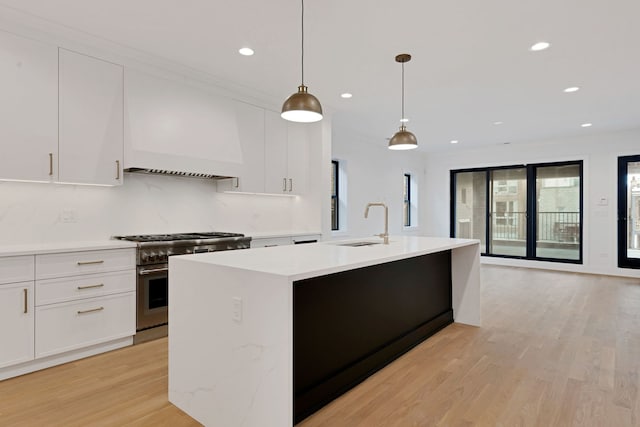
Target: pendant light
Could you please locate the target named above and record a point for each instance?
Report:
(302, 106)
(403, 139)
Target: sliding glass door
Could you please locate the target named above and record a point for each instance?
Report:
(531, 212)
(629, 212)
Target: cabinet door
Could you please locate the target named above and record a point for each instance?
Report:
(16, 318)
(298, 157)
(275, 153)
(250, 124)
(29, 109)
(91, 120)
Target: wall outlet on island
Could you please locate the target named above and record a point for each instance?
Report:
(236, 312)
(69, 216)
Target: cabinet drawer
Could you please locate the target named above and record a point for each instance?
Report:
(76, 263)
(72, 325)
(51, 291)
(271, 241)
(15, 269)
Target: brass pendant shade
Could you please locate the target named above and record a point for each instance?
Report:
(403, 139)
(302, 106)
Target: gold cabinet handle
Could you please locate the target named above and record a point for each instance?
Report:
(290, 184)
(90, 262)
(26, 300)
(117, 169)
(91, 310)
(284, 184)
(50, 164)
(91, 286)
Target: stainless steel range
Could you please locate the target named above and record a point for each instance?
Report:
(153, 253)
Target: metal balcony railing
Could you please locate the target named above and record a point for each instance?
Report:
(551, 226)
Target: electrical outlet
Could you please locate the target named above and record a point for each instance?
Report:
(69, 216)
(236, 309)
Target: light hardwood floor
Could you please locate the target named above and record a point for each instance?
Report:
(555, 349)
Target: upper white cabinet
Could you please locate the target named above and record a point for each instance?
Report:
(286, 155)
(176, 126)
(29, 109)
(91, 144)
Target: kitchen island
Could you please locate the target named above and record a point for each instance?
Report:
(264, 337)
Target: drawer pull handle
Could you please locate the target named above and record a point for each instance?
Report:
(90, 262)
(90, 311)
(91, 286)
(50, 164)
(117, 169)
(290, 184)
(284, 184)
(26, 300)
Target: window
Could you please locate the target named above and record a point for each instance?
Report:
(335, 225)
(531, 212)
(407, 201)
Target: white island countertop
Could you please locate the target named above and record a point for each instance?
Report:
(297, 262)
(231, 334)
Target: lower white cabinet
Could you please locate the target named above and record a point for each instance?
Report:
(266, 242)
(16, 323)
(62, 306)
(68, 326)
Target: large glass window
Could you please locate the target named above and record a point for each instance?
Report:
(470, 210)
(334, 195)
(508, 223)
(496, 206)
(558, 225)
(629, 212)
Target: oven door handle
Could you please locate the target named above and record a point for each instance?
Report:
(154, 270)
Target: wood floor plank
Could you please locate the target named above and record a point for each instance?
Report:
(555, 349)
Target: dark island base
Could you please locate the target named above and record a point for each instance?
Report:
(351, 324)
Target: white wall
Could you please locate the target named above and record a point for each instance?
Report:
(599, 153)
(375, 174)
(32, 212)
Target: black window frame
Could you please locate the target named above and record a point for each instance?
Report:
(531, 206)
(335, 195)
(407, 200)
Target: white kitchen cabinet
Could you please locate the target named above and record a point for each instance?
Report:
(16, 310)
(250, 121)
(91, 141)
(29, 109)
(75, 324)
(286, 155)
(269, 241)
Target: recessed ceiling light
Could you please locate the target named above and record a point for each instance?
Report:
(498, 123)
(346, 95)
(586, 125)
(572, 89)
(245, 51)
(540, 46)
(404, 120)
(454, 141)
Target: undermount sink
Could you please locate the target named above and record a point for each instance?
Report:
(356, 244)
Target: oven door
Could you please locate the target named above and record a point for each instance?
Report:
(153, 296)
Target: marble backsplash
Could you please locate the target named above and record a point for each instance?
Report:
(34, 212)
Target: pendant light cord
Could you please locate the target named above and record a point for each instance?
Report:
(302, 50)
(402, 118)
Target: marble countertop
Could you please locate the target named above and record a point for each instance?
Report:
(298, 262)
(58, 247)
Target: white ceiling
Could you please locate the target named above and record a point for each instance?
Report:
(471, 62)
